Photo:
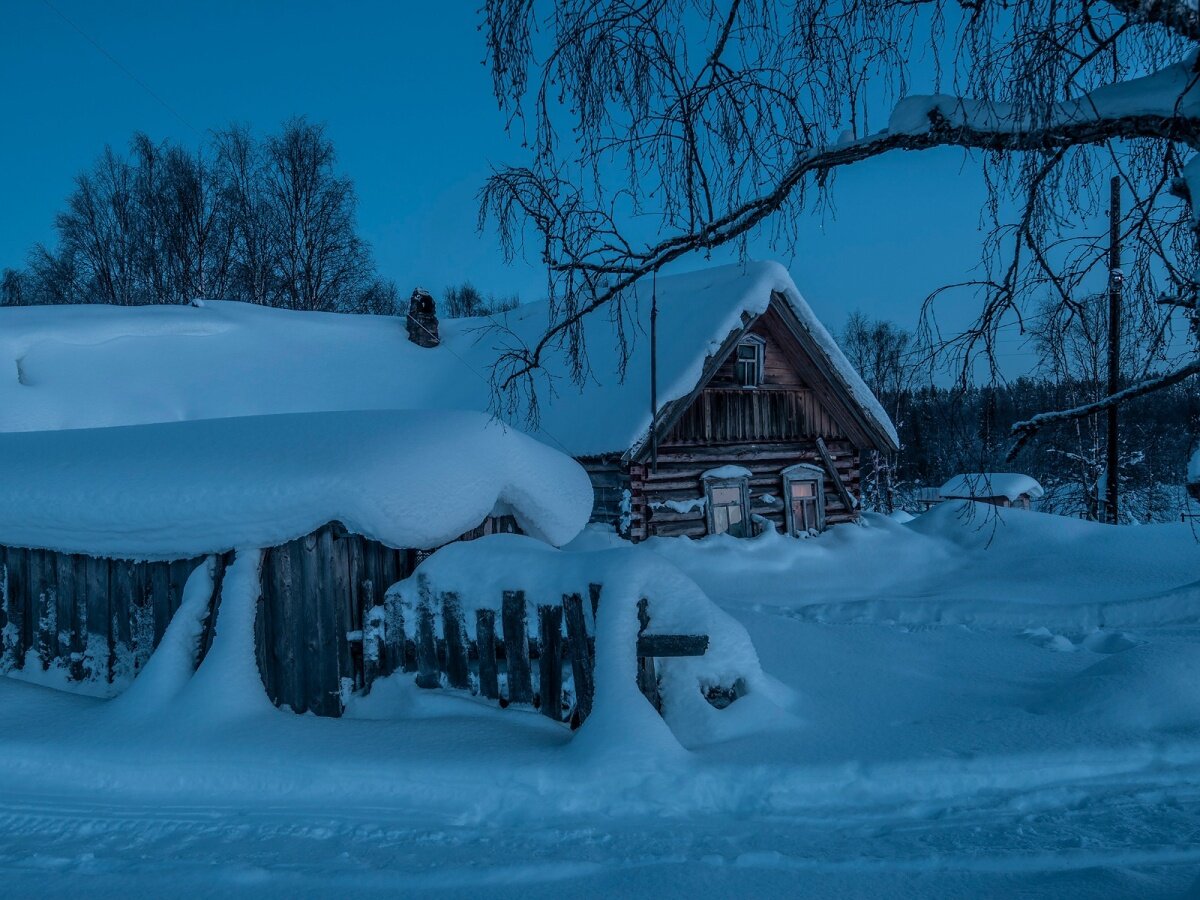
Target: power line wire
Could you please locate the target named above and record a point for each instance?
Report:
(116, 62)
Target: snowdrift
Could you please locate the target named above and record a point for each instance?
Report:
(961, 562)
(184, 489)
(621, 718)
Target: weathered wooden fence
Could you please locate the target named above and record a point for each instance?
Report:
(317, 594)
(324, 628)
(502, 667)
(98, 618)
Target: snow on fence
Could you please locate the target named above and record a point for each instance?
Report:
(98, 619)
(326, 625)
(500, 667)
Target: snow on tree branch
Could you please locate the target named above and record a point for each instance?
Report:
(1025, 430)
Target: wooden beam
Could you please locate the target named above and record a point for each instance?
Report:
(667, 645)
(833, 473)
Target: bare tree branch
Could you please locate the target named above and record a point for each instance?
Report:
(1026, 429)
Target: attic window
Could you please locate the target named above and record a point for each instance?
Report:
(804, 498)
(748, 364)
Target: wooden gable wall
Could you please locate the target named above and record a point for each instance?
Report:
(785, 407)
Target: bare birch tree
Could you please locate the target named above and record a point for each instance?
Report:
(730, 119)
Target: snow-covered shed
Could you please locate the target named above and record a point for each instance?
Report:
(746, 376)
(101, 530)
(996, 488)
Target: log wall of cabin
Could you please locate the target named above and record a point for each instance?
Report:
(678, 480)
(610, 482)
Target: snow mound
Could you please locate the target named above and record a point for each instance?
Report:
(1010, 485)
(92, 366)
(405, 478)
(961, 562)
(621, 719)
(1146, 688)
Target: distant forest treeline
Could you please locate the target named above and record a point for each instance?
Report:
(945, 431)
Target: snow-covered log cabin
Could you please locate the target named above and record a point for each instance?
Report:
(108, 535)
(760, 421)
(760, 417)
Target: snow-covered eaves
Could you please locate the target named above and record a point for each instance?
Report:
(94, 366)
(409, 479)
(1010, 485)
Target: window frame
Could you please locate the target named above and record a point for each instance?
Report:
(760, 360)
(797, 473)
(739, 483)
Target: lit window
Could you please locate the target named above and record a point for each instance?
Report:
(804, 490)
(727, 506)
(748, 367)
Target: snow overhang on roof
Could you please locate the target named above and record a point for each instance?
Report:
(409, 479)
(1010, 485)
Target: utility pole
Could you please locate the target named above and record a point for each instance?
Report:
(1115, 279)
(654, 375)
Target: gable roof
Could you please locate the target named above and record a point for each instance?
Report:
(93, 366)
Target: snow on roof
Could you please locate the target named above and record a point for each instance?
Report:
(1010, 485)
(1193, 475)
(93, 366)
(169, 491)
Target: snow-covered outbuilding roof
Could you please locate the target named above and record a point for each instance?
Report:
(1010, 485)
(182, 489)
(94, 366)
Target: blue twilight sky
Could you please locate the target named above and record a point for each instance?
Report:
(408, 103)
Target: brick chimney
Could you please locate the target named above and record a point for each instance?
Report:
(422, 319)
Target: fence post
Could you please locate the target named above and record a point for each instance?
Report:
(485, 639)
(427, 661)
(550, 661)
(582, 662)
(454, 629)
(516, 647)
(375, 640)
(647, 679)
(594, 597)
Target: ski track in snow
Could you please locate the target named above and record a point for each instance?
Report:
(262, 851)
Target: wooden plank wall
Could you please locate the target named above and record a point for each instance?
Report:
(680, 468)
(316, 593)
(100, 619)
(741, 415)
(610, 481)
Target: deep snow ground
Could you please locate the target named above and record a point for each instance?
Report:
(962, 728)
